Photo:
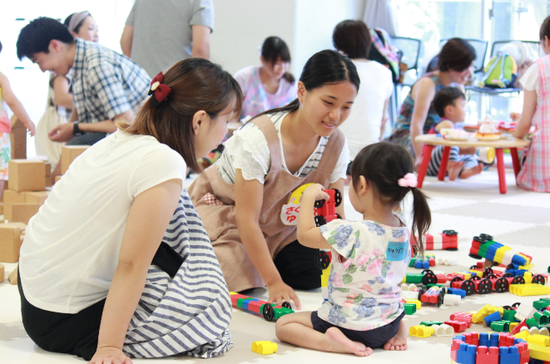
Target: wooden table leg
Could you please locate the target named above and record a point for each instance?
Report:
(444, 161)
(501, 171)
(515, 161)
(426, 156)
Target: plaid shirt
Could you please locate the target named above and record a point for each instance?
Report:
(105, 83)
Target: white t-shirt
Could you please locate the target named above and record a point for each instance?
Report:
(248, 151)
(530, 79)
(71, 247)
(362, 127)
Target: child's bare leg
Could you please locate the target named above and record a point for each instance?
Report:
(297, 329)
(472, 171)
(399, 341)
(453, 169)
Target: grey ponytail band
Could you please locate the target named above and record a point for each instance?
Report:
(76, 19)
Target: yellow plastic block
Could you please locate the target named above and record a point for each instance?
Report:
(513, 326)
(539, 345)
(421, 331)
(415, 301)
(264, 347)
(485, 311)
(499, 254)
(529, 289)
(324, 277)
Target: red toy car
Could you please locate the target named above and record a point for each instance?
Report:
(325, 211)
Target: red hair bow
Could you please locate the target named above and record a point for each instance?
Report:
(160, 90)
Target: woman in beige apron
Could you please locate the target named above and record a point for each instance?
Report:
(241, 197)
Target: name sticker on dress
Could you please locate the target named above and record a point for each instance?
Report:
(396, 251)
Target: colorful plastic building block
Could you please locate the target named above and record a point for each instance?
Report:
(529, 289)
(410, 308)
(414, 301)
(485, 311)
(496, 349)
(264, 347)
(458, 326)
(495, 316)
(443, 330)
(446, 240)
(483, 246)
(270, 311)
(539, 345)
(325, 210)
(421, 331)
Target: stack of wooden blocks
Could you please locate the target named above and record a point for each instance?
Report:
(25, 192)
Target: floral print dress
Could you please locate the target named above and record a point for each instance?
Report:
(372, 259)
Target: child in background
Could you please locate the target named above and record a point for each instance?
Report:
(6, 94)
(535, 172)
(450, 105)
(364, 309)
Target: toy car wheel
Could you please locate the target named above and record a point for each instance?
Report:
(322, 260)
(268, 312)
(538, 278)
(475, 278)
(469, 287)
(518, 280)
(320, 220)
(487, 237)
(441, 297)
(480, 239)
(450, 232)
(488, 271)
(473, 266)
(491, 276)
(502, 285)
(337, 197)
(516, 305)
(286, 305)
(485, 286)
(319, 203)
(507, 275)
(510, 266)
(339, 216)
(429, 277)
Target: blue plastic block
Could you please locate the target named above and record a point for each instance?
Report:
(492, 250)
(519, 260)
(422, 264)
(245, 304)
(466, 354)
(509, 355)
(484, 339)
(457, 291)
(460, 337)
(494, 340)
(495, 316)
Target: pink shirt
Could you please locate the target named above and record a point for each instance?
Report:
(5, 124)
(256, 98)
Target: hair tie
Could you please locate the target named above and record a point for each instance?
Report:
(409, 180)
(160, 90)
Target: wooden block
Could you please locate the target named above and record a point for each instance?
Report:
(36, 197)
(27, 175)
(18, 138)
(48, 181)
(69, 154)
(57, 178)
(1, 208)
(48, 169)
(13, 276)
(2, 273)
(11, 197)
(22, 212)
(10, 241)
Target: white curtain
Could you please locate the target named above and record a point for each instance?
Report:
(379, 14)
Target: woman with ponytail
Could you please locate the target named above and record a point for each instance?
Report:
(364, 309)
(243, 198)
(117, 264)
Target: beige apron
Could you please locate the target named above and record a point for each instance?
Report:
(220, 221)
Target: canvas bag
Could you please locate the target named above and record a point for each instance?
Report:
(382, 51)
(44, 146)
(501, 71)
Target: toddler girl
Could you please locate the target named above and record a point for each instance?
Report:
(364, 308)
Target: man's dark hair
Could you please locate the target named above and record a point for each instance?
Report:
(0, 46)
(35, 37)
(445, 97)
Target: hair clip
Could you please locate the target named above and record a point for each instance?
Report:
(160, 90)
(409, 180)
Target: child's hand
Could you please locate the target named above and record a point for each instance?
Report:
(110, 355)
(316, 192)
(280, 292)
(515, 116)
(31, 128)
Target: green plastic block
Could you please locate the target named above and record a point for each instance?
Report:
(240, 302)
(414, 277)
(509, 315)
(500, 326)
(541, 303)
(410, 308)
(430, 323)
(483, 249)
(542, 318)
(531, 322)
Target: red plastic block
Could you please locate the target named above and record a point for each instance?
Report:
(519, 326)
(458, 326)
(487, 355)
(255, 306)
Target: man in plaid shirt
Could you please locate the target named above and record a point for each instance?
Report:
(106, 85)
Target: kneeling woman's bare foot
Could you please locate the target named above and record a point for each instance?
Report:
(472, 171)
(399, 341)
(337, 342)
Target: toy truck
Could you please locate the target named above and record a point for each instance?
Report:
(270, 311)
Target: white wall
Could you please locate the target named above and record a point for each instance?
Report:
(306, 26)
